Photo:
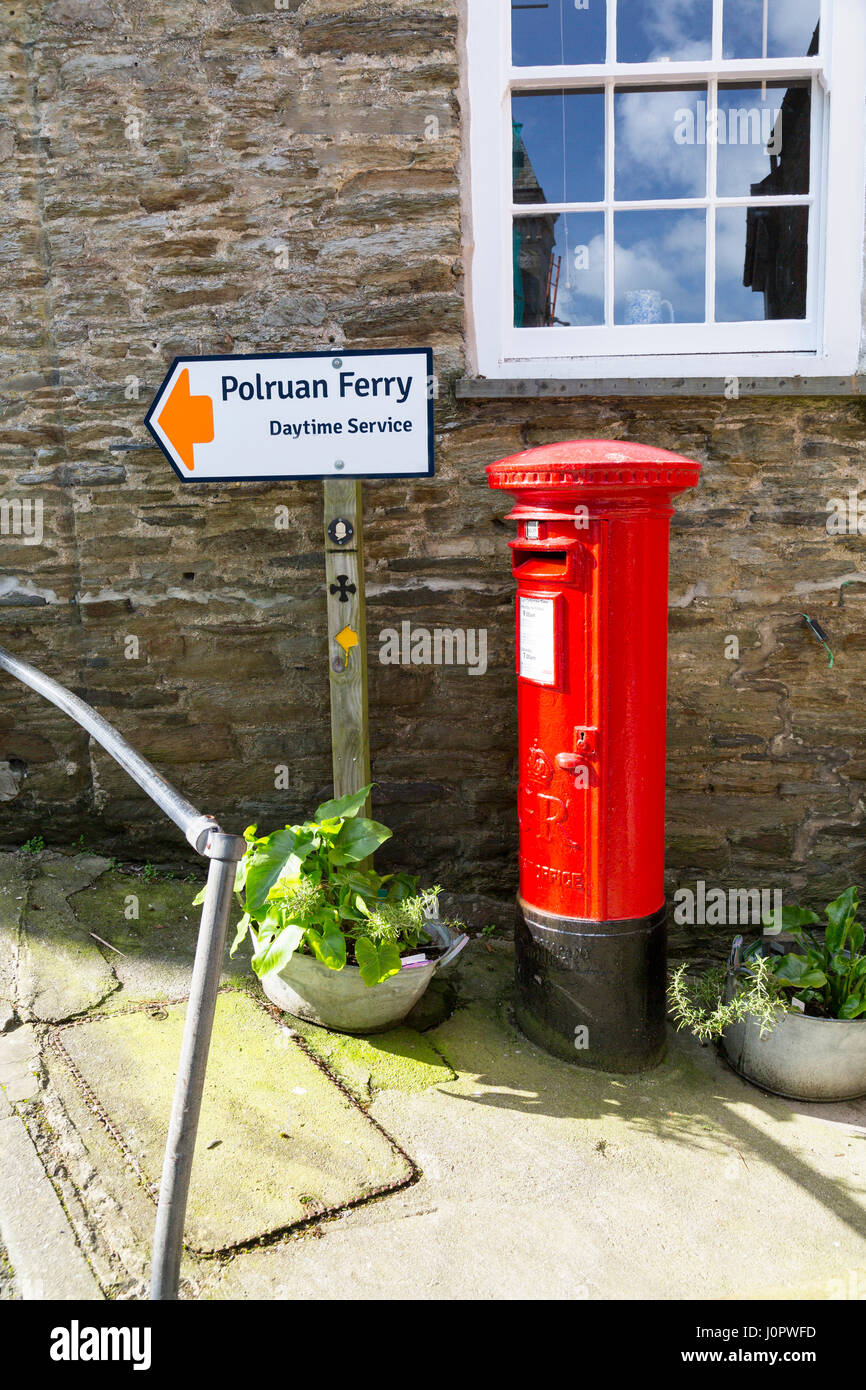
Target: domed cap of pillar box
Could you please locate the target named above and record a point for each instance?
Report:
(607, 472)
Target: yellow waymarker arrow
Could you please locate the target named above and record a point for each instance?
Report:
(347, 639)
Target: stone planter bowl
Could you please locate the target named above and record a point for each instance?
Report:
(801, 1057)
(339, 999)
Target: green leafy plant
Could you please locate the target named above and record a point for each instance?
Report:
(825, 978)
(700, 1003)
(306, 888)
(35, 845)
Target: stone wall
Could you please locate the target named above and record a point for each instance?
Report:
(202, 178)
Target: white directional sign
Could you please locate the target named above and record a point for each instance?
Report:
(297, 415)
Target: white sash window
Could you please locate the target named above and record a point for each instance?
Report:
(666, 187)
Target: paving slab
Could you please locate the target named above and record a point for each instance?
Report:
(50, 966)
(19, 1064)
(7, 1276)
(152, 927)
(537, 1179)
(402, 1058)
(278, 1141)
(15, 873)
(35, 1232)
(545, 1181)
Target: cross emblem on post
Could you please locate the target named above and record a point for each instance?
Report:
(343, 588)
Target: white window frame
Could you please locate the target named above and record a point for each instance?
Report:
(825, 343)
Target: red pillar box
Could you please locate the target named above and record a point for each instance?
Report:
(591, 563)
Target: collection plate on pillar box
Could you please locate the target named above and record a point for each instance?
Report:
(342, 414)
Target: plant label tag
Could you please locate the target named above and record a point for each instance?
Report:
(798, 1004)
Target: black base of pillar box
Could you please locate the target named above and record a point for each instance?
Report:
(593, 992)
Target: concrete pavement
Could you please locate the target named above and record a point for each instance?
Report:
(504, 1173)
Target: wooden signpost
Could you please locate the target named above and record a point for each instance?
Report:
(347, 635)
(338, 416)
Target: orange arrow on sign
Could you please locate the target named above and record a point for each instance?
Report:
(186, 420)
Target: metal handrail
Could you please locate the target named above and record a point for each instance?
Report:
(195, 827)
(224, 851)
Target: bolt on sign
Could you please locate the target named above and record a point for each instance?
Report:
(297, 415)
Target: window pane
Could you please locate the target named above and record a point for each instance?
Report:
(659, 152)
(655, 30)
(559, 270)
(791, 28)
(660, 260)
(558, 147)
(763, 139)
(761, 259)
(561, 31)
